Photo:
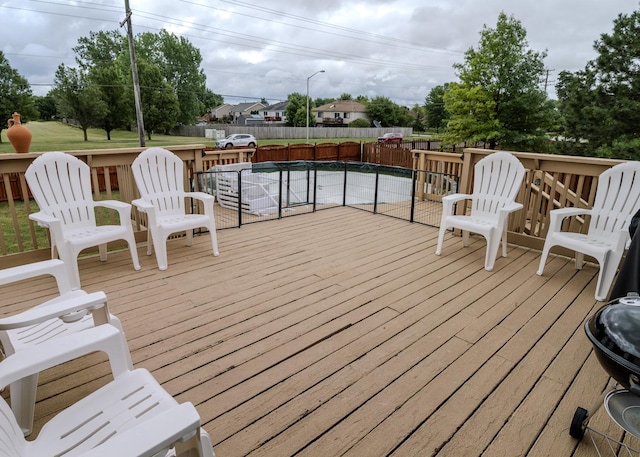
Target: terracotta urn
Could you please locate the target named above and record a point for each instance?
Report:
(18, 134)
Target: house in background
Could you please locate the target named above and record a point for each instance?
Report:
(250, 119)
(339, 113)
(276, 113)
(229, 114)
(245, 109)
(220, 113)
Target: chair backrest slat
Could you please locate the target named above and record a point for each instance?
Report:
(61, 186)
(159, 175)
(497, 181)
(617, 200)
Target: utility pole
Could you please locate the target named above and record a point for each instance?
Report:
(307, 112)
(134, 73)
(546, 79)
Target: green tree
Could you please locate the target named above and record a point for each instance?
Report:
(436, 114)
(388, 113)
(103, 56)
(15, 95)
(78, 99)
(600, 105)
(179, 63)
(111, 83)
(504, 75)
(296, 110)
(160, 104)
(211, 100)
(477, 118)
(345, 96)
(321, 101)
(360, 123)
(419, 119)
(46, 107)
(101, 48)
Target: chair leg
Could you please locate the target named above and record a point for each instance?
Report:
(199, 445)
(441, 233)
(579, 260)
(189, 234)
(605, 277)
(493, 244)
(161, 251)
(133, 249)
(149, 242)
(504, 241)
(103, 252)
(214, 242)
(23, 401)
(71, 263)
(543, 259)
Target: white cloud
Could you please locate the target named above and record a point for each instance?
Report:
(267, 48)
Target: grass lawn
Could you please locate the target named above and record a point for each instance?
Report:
(56, 136)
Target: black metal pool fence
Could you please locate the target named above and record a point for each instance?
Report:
(270, 190)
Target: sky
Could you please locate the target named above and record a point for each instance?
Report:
(254, 49)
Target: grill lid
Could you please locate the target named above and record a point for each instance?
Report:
(619, 323)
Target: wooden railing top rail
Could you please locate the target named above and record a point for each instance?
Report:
(551, 163)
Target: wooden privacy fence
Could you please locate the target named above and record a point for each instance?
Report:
(340, 152)
(391, 154)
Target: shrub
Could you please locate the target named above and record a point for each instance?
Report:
(360, 123)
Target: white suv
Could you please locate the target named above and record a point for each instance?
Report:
(237, 139)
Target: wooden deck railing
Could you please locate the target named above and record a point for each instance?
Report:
(551, 182)
(21, 239)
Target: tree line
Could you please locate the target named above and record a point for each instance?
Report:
(499, 97)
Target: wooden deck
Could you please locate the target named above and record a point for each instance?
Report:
(342, 333)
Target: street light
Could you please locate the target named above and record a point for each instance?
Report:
(320, 71)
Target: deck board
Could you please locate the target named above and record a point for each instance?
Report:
(340, 332)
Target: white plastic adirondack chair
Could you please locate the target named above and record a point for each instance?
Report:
(130, 416)
(73, 311)
(61, 186)
(496, 181)
(159, 176)
(617, 199)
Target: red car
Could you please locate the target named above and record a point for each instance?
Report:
(390, 138)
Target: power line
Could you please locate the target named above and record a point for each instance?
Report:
(359, 33)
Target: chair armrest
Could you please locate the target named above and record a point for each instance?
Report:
(123, 209)
(61, 349)
(507, 209)
(53, 267)
(199, 196)
(511, 207)
(113, 204)
(44, 219)
(142, 205)
(56, 309)
(558, 215)
(206, 199)
(566, 212)
(449, 200)
(53, 224)
(156, 434)
(456, 197)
